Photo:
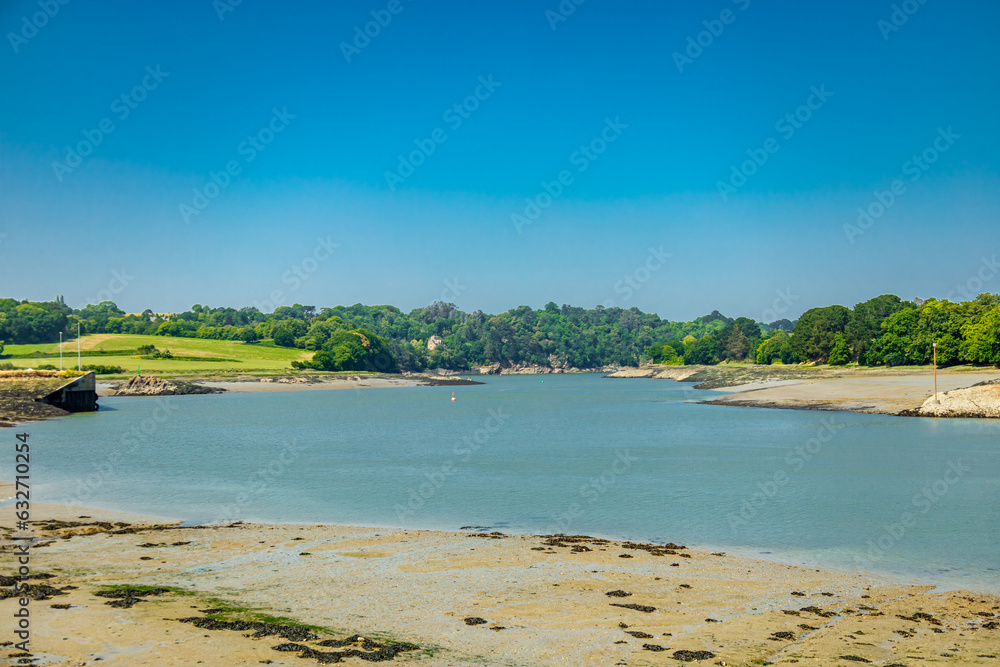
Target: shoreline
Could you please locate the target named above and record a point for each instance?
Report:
(542, 599)
(799, 557)
(963, 392)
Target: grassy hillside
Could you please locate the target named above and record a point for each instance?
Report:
(243, 357)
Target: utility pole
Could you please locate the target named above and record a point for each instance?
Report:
(79, 366)
(935, 374)
(60, 350)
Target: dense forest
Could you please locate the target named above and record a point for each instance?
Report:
(885, 331)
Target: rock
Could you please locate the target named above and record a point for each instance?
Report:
(142, 385)
(633, 373)
(981, 400)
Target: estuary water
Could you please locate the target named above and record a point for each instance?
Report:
(638, 459)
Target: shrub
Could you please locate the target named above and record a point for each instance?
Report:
(102, 369)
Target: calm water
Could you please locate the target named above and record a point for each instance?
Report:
(579, 454)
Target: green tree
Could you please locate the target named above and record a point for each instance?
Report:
(737, 345)
(663, 354)
(283, 335)
(702, 351)
(355, 350)
(982, 338)
(865, 324)
(816, 331)
(772, 348)
(840, 354)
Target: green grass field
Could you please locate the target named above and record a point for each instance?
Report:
(249, 358)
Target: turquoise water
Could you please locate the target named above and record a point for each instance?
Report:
(637, 459)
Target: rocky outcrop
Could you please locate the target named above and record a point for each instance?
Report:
(633, 373)
(980, 400)
(679, 373)
(296, 380)
(536, 369)
(141, 385)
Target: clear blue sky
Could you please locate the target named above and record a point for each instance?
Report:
(885, 94)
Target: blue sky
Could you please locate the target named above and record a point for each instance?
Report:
(643, 138)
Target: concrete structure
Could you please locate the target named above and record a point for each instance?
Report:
(77, 395)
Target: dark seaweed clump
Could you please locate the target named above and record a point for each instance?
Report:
(127, 597)
(33, 591)
(688, 656)
(367, 650)
(292, 633)
(637, 607)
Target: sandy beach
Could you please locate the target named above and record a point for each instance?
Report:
(476, 598)
(877, 393)
(900, 390)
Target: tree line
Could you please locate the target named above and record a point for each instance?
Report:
(885, 331)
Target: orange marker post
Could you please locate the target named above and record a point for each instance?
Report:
(935, 373)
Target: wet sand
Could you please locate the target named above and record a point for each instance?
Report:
(541, 600)
(886, 394)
